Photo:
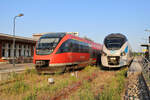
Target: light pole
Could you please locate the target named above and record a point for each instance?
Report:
(14, 37)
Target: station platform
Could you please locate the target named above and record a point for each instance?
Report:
(135, 66)
(9, 67)
(6, 69)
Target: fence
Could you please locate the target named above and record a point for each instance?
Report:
(145, 63)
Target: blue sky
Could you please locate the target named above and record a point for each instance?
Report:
(92, 18)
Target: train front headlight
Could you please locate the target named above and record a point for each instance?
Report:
(104, 54)
(123, 53)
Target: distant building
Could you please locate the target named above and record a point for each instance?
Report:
(147, 50)
(24, 47)
(36, 36)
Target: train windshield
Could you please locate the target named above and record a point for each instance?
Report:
(114, 43)
(47, 43)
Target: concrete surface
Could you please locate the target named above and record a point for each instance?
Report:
(7, 69)
(135, 66)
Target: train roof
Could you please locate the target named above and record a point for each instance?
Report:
(49, 35)
(62, 34)
(116, 35)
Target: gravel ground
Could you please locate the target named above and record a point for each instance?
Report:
(136, 89)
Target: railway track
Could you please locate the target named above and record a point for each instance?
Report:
(66, 91)
(97, 78)
(104, 80)
(137, 88)
(137, 82)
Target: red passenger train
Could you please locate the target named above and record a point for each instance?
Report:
(58, 51)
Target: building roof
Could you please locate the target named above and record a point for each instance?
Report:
(145, 45)
(17, 38)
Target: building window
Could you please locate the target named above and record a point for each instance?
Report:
(9, 51)
(19, 52)
(24, 53)
(15, 45)
(28, 52)
(19, 46)
(3, 45)
(3, 49)
(3, 52)
(9, 45)
(15, 52)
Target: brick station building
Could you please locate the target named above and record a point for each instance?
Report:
(24, 48)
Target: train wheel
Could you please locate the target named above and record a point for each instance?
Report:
(63, 69)
(60, 70)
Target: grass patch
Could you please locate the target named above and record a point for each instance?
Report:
(116, 87)
(17, 77)
(90, 68)
(31, 96)
(17, 88)
(31, 71)
(59, 85)
(31, 86)
(86, 94)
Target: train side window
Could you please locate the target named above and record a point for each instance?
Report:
(91, 52)
(65, 47)
(73, 46)
(70, 47)
(83, 47)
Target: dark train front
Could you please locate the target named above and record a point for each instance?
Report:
(55, 52)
